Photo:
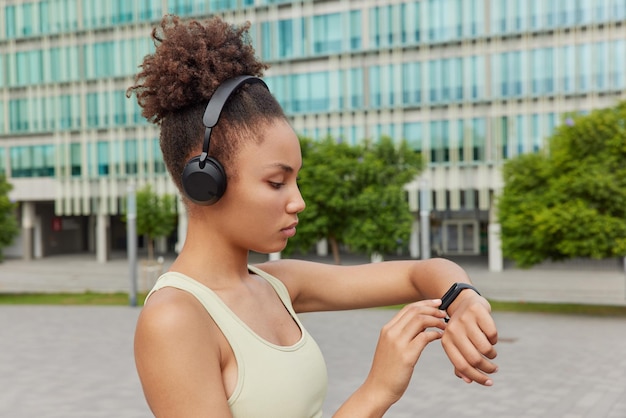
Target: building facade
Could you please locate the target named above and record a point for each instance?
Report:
(469, 83)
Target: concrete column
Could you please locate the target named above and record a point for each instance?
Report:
(182, 228)
(91, 234)
(495, 247)
(160, 245)
(274, 256)
(38, 238)
(28, 227)
(494, 238)
(425, 217)
(322, 247)
(102, 238)
(414, 240)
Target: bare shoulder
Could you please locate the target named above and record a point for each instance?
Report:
(177, 354)
(170, 311)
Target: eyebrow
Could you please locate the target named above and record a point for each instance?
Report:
(285, 167)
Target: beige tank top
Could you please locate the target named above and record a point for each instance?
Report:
(273, 381)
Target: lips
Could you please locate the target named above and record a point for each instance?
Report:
(290, 231)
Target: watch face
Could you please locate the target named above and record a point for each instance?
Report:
(453, 292)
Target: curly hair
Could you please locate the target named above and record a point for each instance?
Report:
(176, 82)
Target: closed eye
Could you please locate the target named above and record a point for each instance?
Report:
(276, 185)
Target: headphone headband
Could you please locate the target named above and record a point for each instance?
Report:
(216, 105)
(221, 96)
(204, 178)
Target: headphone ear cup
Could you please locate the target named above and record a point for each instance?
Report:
(204, 186)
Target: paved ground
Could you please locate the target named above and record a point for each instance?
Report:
(79, 273)
(75, 361)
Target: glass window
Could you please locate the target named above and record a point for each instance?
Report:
(355, 30)
(327, 37)
(460, 140)
(291, 36)
(475, 71)
(102, 158)
(149, 9)
(9, 21)
(65, 112)
(381, 26)
(600, 65)
(455, 81)
(584, 55)
(103, 60)
(374, 87)
(411, 83)
(92, 110)
(21, 162)
(617, 70)
(537, 14)
(159, 165)
(119, 107)
(439, 141)
(543, 71)
(27, 19)
(520, 134)
(355, 88)
(319, 92)
(32, 161)
(75, 159)
(478, 139)
(537, 134)
(434, 80)
(412, 133)
(18, 115)
(410, 25)
(568, 69)
(266, 41)
(130, 156)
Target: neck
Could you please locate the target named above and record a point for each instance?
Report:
(210, 258)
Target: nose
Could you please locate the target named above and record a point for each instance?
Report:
(296, 203)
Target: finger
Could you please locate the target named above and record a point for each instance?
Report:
(408, 312)
(469, 364)
(462, 376)
(417, 318)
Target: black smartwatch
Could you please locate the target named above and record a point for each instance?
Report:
(453, 292)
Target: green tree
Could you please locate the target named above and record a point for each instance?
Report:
(354, 195)
(571, 200)
(9, 228)
(380, 216)
(156, 216)
(325, 183)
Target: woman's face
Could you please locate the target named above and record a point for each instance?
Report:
(259, 210)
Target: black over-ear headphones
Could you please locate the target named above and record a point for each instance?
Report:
(204, 178)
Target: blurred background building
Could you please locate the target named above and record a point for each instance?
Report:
(469, 83)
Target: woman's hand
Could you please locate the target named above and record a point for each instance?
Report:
(400, 345)
(470, 337)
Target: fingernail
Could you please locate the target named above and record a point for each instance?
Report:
(489, 382)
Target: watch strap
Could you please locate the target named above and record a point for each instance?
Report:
(453, 292)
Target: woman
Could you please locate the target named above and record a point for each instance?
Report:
(218, 337)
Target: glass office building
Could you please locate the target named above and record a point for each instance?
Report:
(469, 83)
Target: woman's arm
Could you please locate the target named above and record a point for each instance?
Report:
(400, 345)
(178, 358)
(470, 336)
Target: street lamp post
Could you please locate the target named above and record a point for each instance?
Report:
(425, 217)
(131, 235)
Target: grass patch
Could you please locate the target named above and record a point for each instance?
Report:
(87, 298)
(552, 308)
(559, 308)
(122, 299)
